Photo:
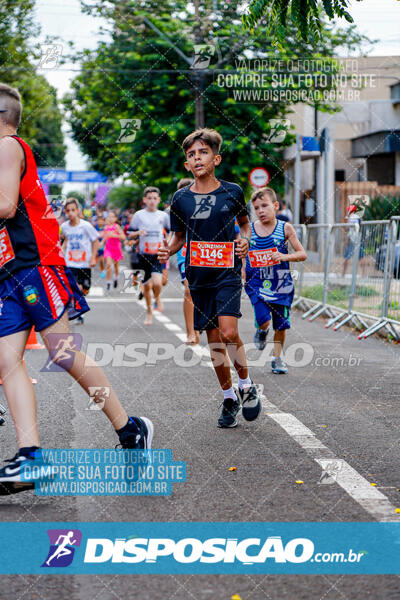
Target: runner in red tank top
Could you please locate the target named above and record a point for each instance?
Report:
(37, 289)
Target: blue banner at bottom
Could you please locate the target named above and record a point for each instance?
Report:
(200, 548)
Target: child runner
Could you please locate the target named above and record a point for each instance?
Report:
(80, 245)
(37, 289)
(113, 235)
(269, 284)
(148, 224)
(99, 227)
(193, 337)
(204, 216)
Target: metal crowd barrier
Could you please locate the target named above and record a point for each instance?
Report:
(352, 275)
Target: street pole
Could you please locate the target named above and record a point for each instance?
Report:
(297, 176)
(198, 76)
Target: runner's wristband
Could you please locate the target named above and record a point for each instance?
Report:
(244, 237)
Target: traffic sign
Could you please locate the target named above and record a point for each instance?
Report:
(259, 177)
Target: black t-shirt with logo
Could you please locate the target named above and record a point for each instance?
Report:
(209, 218)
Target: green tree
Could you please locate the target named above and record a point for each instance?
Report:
(125, 196)
(19, 56)
(78, 195)
(306, 15)
(382, 207)
(142, 74)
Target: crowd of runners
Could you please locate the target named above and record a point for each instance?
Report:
(46, 267)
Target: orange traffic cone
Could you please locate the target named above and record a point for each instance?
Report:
(32, 343)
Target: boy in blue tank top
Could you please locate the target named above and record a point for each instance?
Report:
(269, 283)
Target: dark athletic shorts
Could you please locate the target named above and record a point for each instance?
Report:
(280, 314)
(38, 296)
(211, 303)
(83, 277)
(134, 260)
(149, 264)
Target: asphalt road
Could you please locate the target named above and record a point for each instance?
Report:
(343, 390)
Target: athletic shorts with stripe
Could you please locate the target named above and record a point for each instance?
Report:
(280, 314)
(38, 296)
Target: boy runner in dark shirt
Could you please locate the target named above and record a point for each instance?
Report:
(205, 214)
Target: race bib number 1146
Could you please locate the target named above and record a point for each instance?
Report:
(212, 254)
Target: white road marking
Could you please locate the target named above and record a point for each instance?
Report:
(162, 318)
(95, 291)
(111, 300)
(354, 484)
(181, 336)
(173, 327)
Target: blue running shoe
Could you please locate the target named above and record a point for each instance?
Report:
(139, 435)
(278, 366)
(260, 338)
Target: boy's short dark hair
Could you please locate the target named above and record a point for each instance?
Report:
(72, 201)
(209, 136)
(265, 191)
(182, 183)
(11, 104)
(150, 189)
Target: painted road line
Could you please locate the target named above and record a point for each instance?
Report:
(361, 490)
(354, 484)
(172, 327)
(162, 318)
(95, 291)
(111, 299)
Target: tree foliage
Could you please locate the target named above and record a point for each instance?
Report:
(19, 57)
(140, 74)
(125, 196)
(382, 207)
(306, 15)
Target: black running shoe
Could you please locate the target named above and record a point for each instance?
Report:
(115, 283)
(230, 409)
(140, 296)
(260, 338)
(12, 478)
(139, 436)
(251, 403)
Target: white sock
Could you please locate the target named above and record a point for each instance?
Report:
(244, 382)
(230, 393)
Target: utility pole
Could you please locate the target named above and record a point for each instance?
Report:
(198, 75)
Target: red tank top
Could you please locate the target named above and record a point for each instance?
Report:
(31, 237)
